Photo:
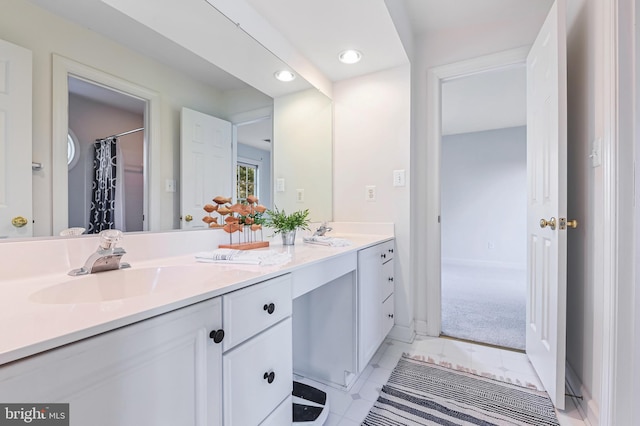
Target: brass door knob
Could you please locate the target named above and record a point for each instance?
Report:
(551, 223)
(188, 218)
(19, 221)
(564, 223)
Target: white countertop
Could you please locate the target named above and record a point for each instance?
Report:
(30, 326)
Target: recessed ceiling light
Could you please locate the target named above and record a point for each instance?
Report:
(350, 56)
(285, 75)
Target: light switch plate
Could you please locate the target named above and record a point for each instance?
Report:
(399, 178)
(280, 185)
(596, 153)
(300, 195)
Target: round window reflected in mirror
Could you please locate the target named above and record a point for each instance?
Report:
(73, 149)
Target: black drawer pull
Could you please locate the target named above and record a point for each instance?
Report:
(390, 315)
(384, 256)
(217, 335)
(270, 308)
(390, 251)
(390, 279)
(269, 377)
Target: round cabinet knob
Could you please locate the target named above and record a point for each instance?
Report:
(269, 377)
(217, 335)
(270, 308)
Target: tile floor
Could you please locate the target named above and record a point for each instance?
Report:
(350, 408)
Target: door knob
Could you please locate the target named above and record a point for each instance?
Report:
(551, 223)
(19, 221)
(564, 223)
(188, 218)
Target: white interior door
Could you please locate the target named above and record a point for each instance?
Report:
(206, 164)
(15, 140)
(547, 199)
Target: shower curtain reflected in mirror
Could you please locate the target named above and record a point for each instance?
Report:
(107, 200)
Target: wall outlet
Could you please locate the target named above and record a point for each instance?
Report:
(370, 193)
(300, 195)
(280, 185)
(491, 245)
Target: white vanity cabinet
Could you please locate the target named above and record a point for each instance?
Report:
(161, 371)
(375, 298)
(257, 359)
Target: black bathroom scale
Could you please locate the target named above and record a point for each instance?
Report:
(310, 405)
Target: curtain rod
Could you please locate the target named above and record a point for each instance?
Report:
(122, 134)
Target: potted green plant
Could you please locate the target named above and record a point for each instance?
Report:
(287, 224)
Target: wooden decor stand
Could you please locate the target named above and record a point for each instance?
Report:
(246, 246)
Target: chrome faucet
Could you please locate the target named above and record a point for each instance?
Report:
(322, 230)
(107, 257)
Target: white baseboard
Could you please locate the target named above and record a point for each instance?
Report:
(402, 333)
(421, 327)
(587, 406)
(475, 263)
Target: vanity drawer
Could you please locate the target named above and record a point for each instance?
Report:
(248, 369)
(388, 250)
(248, 311)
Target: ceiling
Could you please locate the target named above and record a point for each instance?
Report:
(320, 30)
(490, 100)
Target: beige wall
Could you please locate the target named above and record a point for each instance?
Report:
(302, 128)
(371, 140)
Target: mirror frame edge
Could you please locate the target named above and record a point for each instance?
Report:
(62, 68)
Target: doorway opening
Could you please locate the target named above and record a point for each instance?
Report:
(483, 187)
(98, 113)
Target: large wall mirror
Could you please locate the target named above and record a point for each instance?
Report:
(228, 75)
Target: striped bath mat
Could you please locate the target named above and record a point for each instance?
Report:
(419, 393)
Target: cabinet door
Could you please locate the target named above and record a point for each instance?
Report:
(369, 303)
(162, 371)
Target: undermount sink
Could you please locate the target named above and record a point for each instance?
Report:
(117, 285)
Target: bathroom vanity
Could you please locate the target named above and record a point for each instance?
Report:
(190, 343)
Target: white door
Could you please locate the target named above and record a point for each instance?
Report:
(206, 164)
(15, 140)
(547, 200)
